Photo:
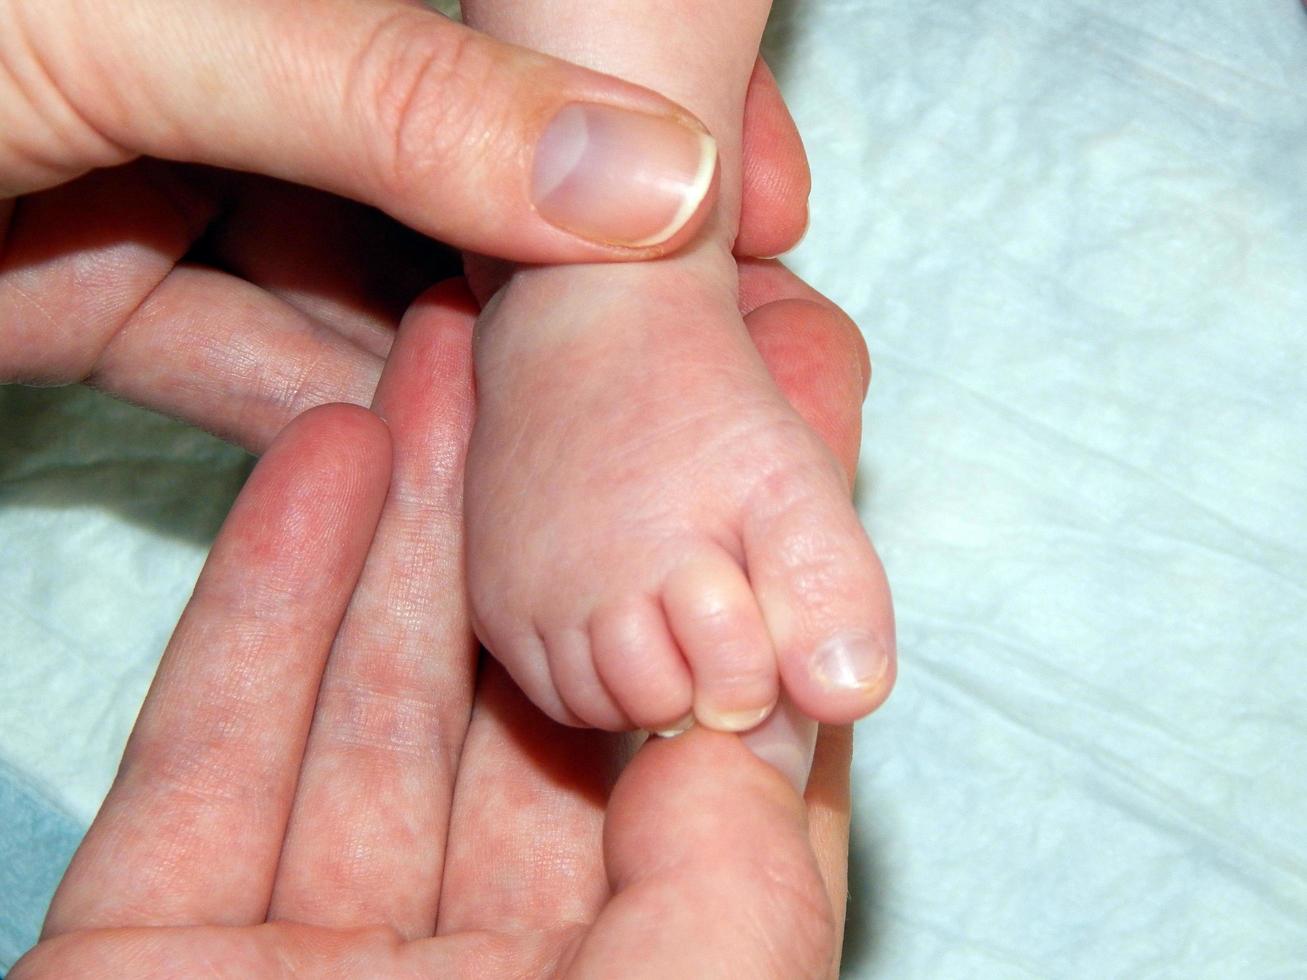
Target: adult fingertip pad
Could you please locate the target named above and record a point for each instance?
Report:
(621, 177)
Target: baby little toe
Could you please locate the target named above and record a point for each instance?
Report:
(572, 669)
(526, 659)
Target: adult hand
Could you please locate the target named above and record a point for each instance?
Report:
(457, 135)
(385, 811)
(160, 281)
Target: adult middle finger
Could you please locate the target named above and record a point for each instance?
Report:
(366, 840)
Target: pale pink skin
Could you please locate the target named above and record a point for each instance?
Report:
(652, 531)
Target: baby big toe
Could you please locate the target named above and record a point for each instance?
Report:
(638, 662)
(717, 623)
(823, 592)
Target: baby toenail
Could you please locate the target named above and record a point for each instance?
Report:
(732, 721)
(680, 728)
(850, 662)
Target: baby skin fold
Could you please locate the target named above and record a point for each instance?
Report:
(654, 536)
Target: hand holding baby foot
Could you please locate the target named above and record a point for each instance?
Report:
(317, 787)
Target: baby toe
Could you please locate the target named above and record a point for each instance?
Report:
(526, 659)
(826, 602)
(717, 624)
(572, 670)
(639, 663)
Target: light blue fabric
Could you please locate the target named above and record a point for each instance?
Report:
(1076, 237)
(37, 839)
(106, 512)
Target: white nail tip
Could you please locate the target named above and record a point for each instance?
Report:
(695, 192)
(680, 728)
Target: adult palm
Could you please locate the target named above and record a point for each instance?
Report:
(326, 780)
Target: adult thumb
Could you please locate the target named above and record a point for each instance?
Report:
(484, 145)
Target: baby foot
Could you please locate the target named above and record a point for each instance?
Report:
(652, 530)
